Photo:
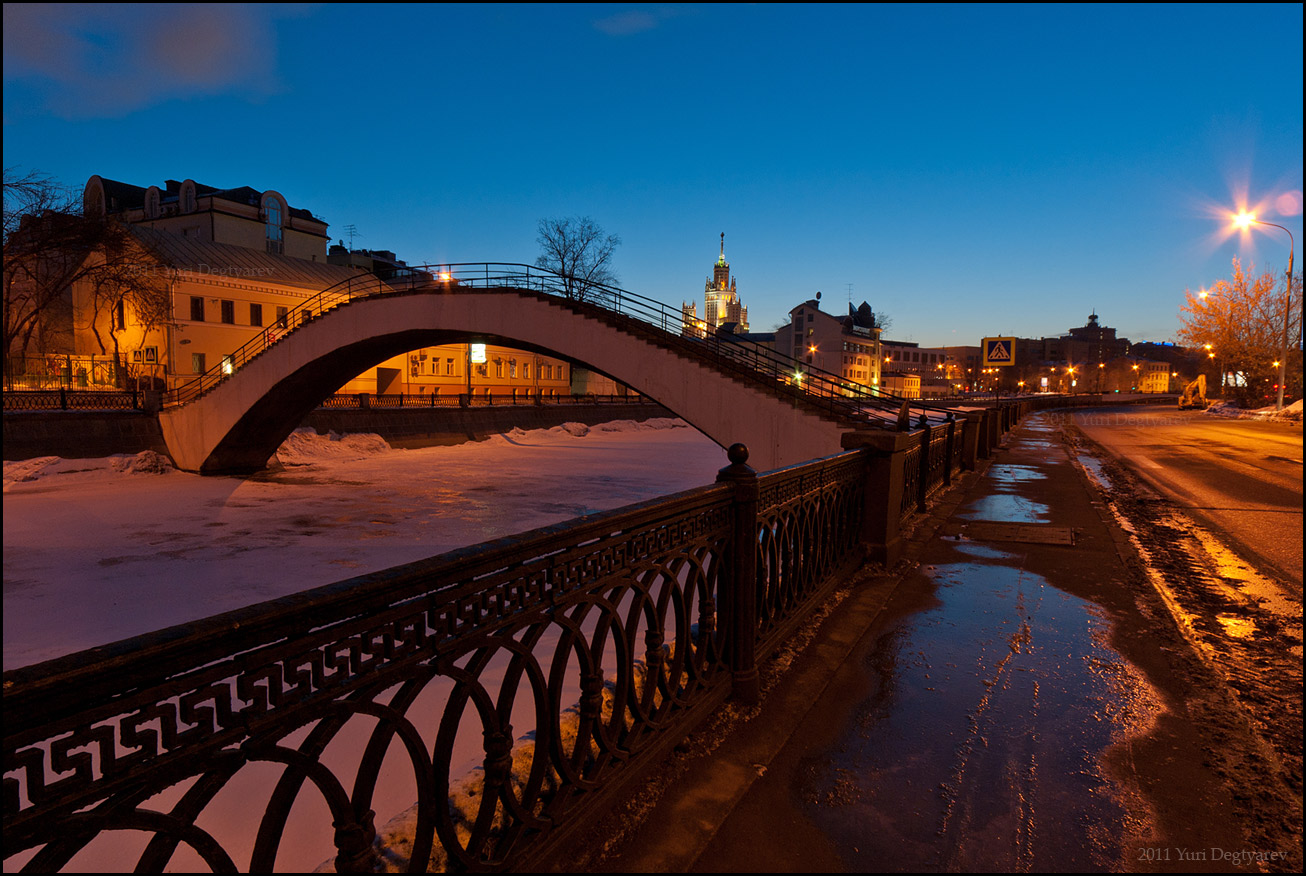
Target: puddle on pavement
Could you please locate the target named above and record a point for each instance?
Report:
(1007, 507)
(979, 745)
(1001, 500)
(1011, 473)
(984, 551)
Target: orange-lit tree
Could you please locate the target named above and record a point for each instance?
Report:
(1241, 320)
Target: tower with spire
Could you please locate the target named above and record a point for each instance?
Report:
(721, 302)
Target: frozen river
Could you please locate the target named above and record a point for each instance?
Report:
(96, 550)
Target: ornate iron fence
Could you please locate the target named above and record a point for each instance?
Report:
(494, 698)
(67, 399)
(436, 400)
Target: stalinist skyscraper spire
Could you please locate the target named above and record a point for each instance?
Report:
(721, 303)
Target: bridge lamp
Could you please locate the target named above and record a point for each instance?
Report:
(1245, 220)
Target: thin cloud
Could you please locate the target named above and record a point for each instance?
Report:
(96, 61)
(635, 21)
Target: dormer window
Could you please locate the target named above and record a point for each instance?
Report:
(152, 203)
(188, 197)
(272, 213)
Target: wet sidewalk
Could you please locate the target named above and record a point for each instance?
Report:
(986, 706)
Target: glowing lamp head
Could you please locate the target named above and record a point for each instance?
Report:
(1244, 219)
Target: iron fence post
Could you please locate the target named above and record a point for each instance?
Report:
(947, 467)
(923, 481)
(740, 602)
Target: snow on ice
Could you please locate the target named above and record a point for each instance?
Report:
(97, 550)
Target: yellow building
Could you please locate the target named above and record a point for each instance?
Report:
(236, 262)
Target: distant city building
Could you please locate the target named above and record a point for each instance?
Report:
(848, 346)
(721, 303)
(917, 372)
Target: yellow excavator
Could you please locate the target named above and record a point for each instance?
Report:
(1194, 394)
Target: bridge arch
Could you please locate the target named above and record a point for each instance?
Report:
(237, 425)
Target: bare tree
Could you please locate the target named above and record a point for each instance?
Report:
(45, 246)
(124, 279)
(577, 249)
(49, 247)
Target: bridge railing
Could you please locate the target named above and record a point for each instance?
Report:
(494, 700)
(838, 396)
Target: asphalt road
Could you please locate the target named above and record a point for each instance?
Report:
(1241, 478)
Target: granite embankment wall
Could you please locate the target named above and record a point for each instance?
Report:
(88, 434)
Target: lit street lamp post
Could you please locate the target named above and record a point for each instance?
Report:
(1243, 220)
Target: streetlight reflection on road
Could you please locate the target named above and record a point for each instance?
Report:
(1243, 220)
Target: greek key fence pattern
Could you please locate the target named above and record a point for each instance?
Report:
(67, 399)
(565, 654)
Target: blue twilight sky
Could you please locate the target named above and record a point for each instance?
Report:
(969, 170)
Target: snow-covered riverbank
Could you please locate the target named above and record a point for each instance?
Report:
(101, 549)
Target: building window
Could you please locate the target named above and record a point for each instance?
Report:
(197, 309)
(273, 213)
(197, 363)
(498, 367)
(281, 317)
(229, 312)
(256, 314)
(119, 317)
(512, 369)
(448, 368)
(526, 371)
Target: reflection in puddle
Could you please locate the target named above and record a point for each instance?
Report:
(976, 549)
(1011, 473)
(1005, 507)
(991, 705)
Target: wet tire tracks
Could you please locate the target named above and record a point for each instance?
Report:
(1247, 688)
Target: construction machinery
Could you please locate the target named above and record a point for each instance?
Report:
(1194, 394)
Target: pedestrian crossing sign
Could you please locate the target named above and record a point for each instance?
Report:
(999, 351)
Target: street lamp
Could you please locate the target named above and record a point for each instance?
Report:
(1242, 220)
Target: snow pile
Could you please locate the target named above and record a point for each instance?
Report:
(20, 471)
(1290, 414)
(305, 447)
(145, 462)
(641, 426)
(576, 430)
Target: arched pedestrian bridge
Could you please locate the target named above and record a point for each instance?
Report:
(233, 418)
